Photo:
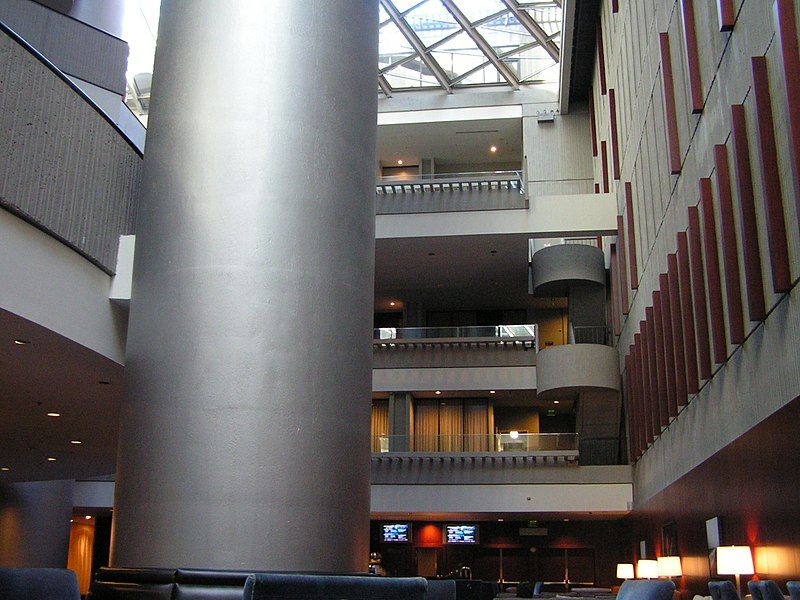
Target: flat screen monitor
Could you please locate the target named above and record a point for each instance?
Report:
(396, 532)
(461, 534)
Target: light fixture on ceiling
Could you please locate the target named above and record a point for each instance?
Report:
(438, 392)
(500, 520)
(5, 469)
(51, 458)
(392, 303)
(88, 517)
(53, 414)
(21, 342)
(399, 162)
(493, 149)
(556, 401)
(75, 442)
(492, 392)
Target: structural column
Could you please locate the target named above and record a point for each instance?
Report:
(245, 430)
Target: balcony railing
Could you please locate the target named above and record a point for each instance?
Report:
(438, 182)
(555, 445)
(524, 335)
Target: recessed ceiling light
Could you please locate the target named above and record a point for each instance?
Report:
(75, 442)
(51, 458)
(438, 392)
(21, 342)
(556, 401)
(399, 162)
(566, 520)
(492, 392)
(88, 517)
(500, 520)
(392, 303)
(72, 520)
(493, 149)
(53, 414)
(4, 469)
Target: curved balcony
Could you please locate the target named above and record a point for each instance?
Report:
(556, 269)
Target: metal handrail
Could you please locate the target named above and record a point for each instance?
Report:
(452, 179)
(526, 333)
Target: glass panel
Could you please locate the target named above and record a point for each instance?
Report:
(392, 46)
(475, 10)
(403, 5)
(533, 64)
(431, 22)
(382, 15)
(548, 18)
(412, 74)
(488, 74)
(459, 55)
(505, 33)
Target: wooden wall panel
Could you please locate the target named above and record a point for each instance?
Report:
(676, 319)
(699, 294)
(623, 267)
(655, 415)
(629, 411)
(730, 252)
(713, 279)
(726, 13)
(770, 179)
(634, 269)
(616, 310)
(790, 56)
(670, 113)
(754, 283)
(592, 123)
(604, 165)
(612, 110)
(669, 343)
(601, 58)
(661, 361)
(689, 337)
(692, 56)
(639, 392)
(647, 394)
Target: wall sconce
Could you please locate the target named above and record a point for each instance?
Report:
(735, 560)
(669, 566)
(625, 571)
(647, 569)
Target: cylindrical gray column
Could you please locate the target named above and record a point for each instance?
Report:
(34, 523)
(245, 430)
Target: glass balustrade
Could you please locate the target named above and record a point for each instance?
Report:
(469, 443)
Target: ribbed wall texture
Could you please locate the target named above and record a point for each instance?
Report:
(74, 47)
(62, 166)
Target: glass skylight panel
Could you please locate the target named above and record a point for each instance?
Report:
(431, 22)
(459, 55)
(475, 10)
(533, 64)
(383, 16)
(548, 18)
(486, 75)
(404, 5)
(411, 74)
(392, 46)
(505, 33)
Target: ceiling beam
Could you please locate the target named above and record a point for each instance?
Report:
(534, 29)
(481, 42)
(384, 85)
(568, 46)
(418, 46)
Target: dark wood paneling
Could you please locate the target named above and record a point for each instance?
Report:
(647, 396)
(633, 437)
(634, 268)
(692, 56)
(670, 113)
(641, 441)
(770, 178)
(596, 188)
(677, 330)
(790, 55)
(614, 6)
(616, 308)
(593, 124)
(612, 109)
(727, 15)
(604, 165)
(754, 284)
(730, 252)
(699, 294)
(623, 266)
(669, 343)
(661, 361)
(655, 425)
(601, 58)
(689, 338)
(711, 259)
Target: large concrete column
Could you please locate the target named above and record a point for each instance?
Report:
(245, 431)
(34, 523)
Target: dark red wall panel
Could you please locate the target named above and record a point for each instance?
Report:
(689, 338)
(612, 109)
(652, 370)
(634, 269)
(644, 432)
(644, 374)
(727, 16)
(614, 6)
(699, 294)
(692, 56)
(754, 283)
(604, 165)
(669, 343)
(670, 113)
(596, 188)
(623, 266)
(790, 55)
(677, 330)
(616, 310)
(711, 259)
(730, 252)
(629, 410)
(592, 122)
(601, 57)
(661, 361)
(770, 179)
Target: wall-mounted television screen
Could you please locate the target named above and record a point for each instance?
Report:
(396, 532)
(461, 534)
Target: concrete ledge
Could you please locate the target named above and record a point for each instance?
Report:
(574, 368)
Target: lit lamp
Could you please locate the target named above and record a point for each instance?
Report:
(647, 569)
(669, 566)
(735, 560)
(624, 571)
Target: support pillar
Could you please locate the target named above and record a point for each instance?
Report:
(401, 415)
(245, 435)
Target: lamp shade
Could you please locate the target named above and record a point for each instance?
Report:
(647, 569)
(669, 566)
(734, 560)
(625, 571)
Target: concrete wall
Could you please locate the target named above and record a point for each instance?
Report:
(760, 375)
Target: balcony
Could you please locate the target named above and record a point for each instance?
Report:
(450, 192)
(519, 336)
(523, 448)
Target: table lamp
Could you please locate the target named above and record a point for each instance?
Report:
(735, 560)
(624, 571)
(669, 566)
(647, 569)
